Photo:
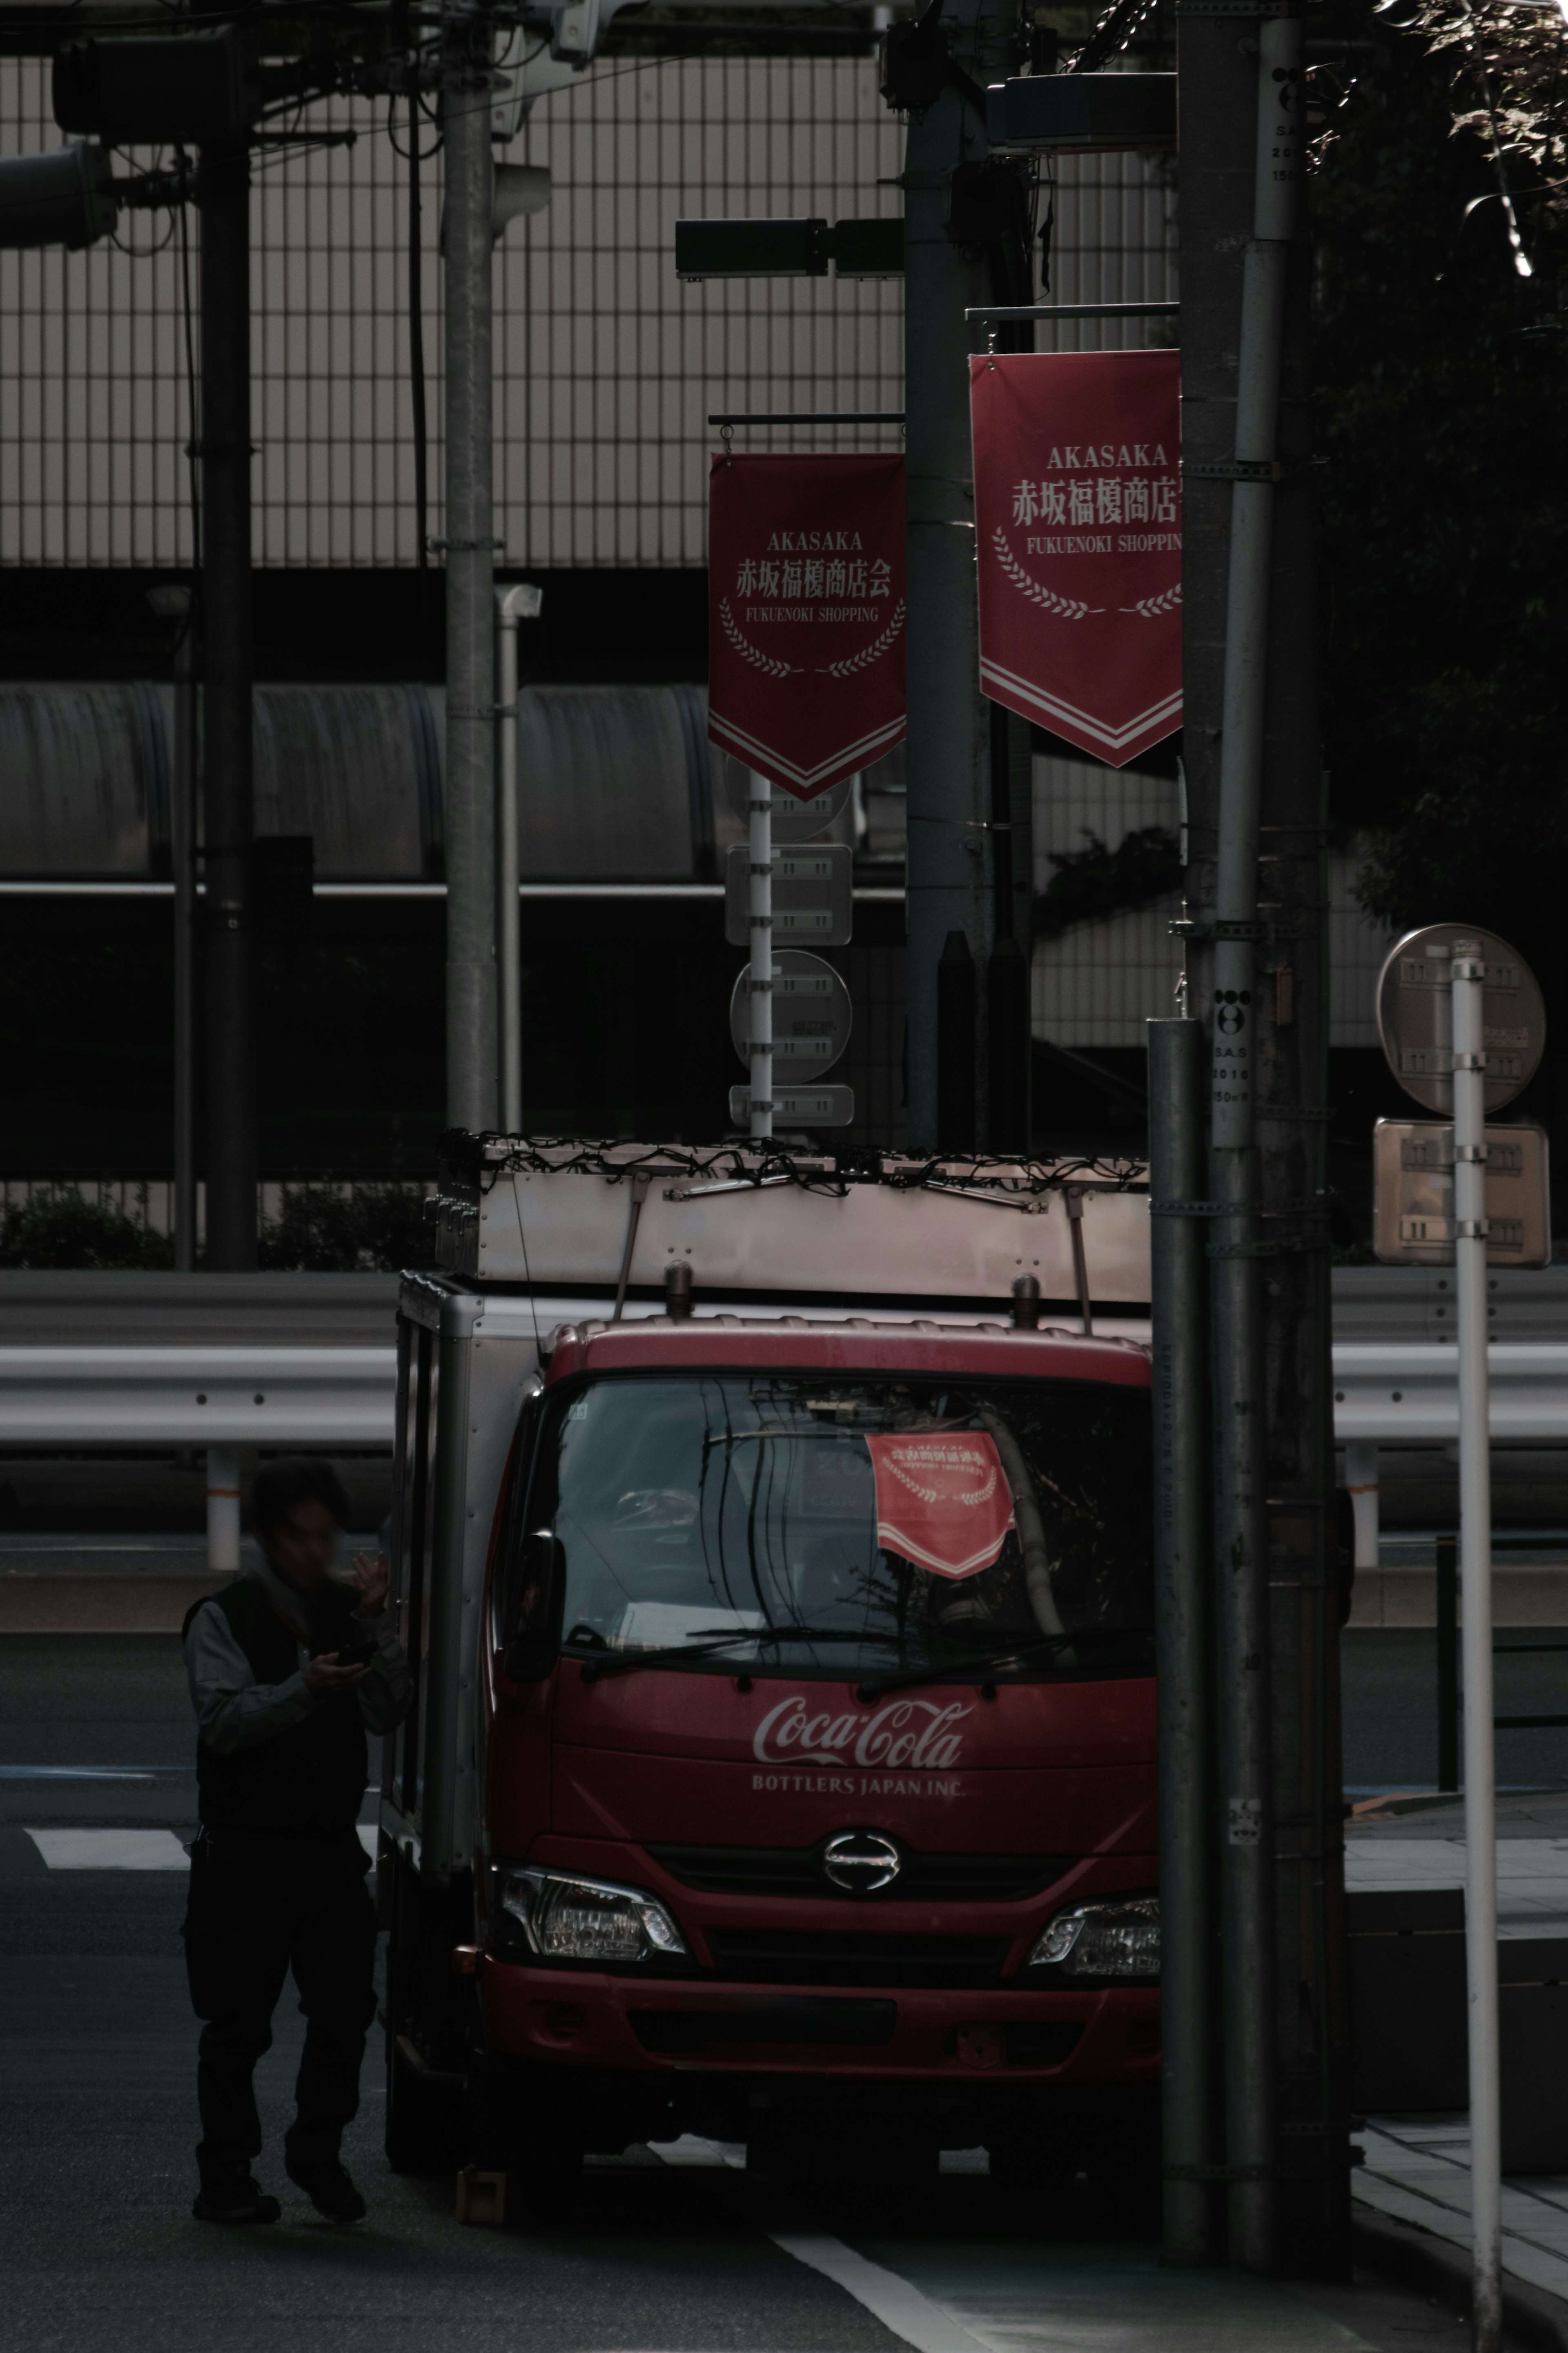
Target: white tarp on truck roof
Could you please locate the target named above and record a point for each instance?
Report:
(559, 1215)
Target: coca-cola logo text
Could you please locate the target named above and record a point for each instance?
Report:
(916, 1733)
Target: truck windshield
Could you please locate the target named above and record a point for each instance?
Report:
(845, 1527)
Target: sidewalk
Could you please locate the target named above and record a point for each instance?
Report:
(980, 2283)
(1422, 1844)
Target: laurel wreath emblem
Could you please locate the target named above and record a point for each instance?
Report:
(767, 663)
(971, 1496)
(1154, 608)
(1066, 608)
(853, 663)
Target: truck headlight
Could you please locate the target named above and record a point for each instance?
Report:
(1103, 1940)
(566, 1917)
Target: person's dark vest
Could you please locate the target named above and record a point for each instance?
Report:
(306, 1782)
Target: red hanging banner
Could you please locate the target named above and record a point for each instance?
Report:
(1078, 524)
(941, 1500)
(806, 606)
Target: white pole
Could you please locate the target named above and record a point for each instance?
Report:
(222, 1510)
(760, 812)
(1476, 1634)
(1361, 1484)
(514, 604)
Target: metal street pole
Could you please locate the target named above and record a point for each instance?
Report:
(1476, 1624)
(175, 604)
(228, 971)
(472, 1093)
(521, 601)
(949, 753)
(1183, 1637)
(1240, 1457)
(760, 926)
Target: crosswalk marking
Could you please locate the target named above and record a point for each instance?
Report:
(110, 1849)
(122, 1849)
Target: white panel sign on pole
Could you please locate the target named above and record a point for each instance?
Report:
(1464, 1028)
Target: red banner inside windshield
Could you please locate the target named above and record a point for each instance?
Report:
(943, 1500)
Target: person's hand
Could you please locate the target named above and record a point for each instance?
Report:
(324, 1674)
(371, 1576)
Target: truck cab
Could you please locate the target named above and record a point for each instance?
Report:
(784, 1756)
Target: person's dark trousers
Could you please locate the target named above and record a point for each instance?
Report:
(258, 1907)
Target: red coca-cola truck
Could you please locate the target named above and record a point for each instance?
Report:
(773, 1546)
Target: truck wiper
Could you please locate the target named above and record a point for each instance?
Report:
(627, 1660)
(961, 1668)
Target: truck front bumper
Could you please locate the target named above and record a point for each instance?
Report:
(585, 2018)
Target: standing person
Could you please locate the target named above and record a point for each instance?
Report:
(288, 1669)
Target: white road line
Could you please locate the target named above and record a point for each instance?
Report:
(891, 2300)
(898, 2305)
(110, 1850)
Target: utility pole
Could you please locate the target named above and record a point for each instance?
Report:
(950, 803)
(468, 234)
(228, 972)
(1312, 2048)
(1256, 974)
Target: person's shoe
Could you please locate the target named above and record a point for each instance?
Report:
(239, 2198)
(328, 2190)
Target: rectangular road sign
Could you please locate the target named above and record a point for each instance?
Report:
(812, 902)
(798, 1106)
(1412, 1187)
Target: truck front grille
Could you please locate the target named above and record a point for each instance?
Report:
(794, 1957)
(847, 2024)
(924, 1879)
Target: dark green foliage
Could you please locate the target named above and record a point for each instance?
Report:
(1090, 885)
(1442, 375)
(56, 1228)
(322, 1231)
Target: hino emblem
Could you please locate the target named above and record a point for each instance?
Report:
(861, 1861)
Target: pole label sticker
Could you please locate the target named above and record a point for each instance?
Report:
(806, 615)
(1077, 527)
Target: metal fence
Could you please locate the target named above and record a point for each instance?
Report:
(606, 368)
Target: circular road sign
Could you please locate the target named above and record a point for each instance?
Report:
(1416, 1015)
(793, 820)
(811, 1016)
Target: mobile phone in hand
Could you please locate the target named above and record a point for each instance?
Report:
(356, 1654)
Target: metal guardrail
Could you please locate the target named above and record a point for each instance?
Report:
(331, 1396)
(1407, 1393)
(201, 1397)
(155, 1360)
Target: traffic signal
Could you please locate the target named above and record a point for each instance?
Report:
(1092, 112)
(789, 248)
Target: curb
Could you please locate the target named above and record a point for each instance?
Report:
(1417, 2258)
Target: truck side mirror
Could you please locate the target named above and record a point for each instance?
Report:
(531, 1653)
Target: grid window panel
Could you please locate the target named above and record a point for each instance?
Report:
(605, 366)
